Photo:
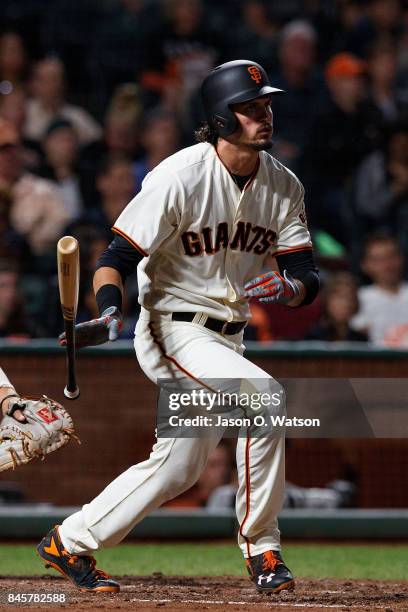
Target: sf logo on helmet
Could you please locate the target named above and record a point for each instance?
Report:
(255, 74)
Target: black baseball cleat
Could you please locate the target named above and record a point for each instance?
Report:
(269, 573)
(80, 570)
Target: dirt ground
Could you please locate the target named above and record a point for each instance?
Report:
(209, 593)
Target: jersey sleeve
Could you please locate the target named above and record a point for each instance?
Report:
(293, 234)
(153, 215)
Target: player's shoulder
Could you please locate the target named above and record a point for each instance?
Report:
(194, 156)
(280, 174)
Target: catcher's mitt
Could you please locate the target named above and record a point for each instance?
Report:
(48, 427)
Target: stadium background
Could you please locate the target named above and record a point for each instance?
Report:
(93, 94)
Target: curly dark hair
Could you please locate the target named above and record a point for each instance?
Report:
(205, 133)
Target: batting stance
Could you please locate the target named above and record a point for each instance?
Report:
(200, 231)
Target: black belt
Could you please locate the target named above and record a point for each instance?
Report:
(216, 325)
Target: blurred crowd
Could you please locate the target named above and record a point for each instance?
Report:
(94, 94)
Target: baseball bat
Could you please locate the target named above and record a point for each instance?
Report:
(68, 282)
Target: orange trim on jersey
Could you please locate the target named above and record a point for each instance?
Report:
(247, 488)
(174, 361)
(253, 174)
(293, 250)
(132, 242)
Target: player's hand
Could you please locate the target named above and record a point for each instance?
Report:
(13, 407)
(106, 328)
(272, 287)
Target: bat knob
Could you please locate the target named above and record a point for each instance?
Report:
(71, 394)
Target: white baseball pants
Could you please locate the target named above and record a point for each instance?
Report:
(167, 349)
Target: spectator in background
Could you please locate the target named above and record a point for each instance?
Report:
(116, 186)
(92, 241)
(160, 137)
(47, 102)
(60, 146)
(340, 304)
(37, 212)
(116, 52)
(304, 91)
(382, 76)
(13, 108)
(13, 61)
(337, 27)
(178, 54)
(13, 320)
(120, 138)
(402, 50)
(12, 245)
(382, 23)
(342, 135)
(256, 34)
(381, 185)
(383, 311)
(122, 120)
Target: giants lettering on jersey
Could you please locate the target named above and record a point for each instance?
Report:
(246, 238)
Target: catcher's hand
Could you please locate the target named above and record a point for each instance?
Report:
(47, 427)
(106, 327)
(272, 287)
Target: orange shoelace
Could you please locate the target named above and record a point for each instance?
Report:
(269, 561)
(98, 571)
(72, 559)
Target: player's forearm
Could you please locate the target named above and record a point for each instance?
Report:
(106, 276)
(4, 392)
(108, 288)
(6, 388)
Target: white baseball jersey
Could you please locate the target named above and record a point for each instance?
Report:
(203, 238)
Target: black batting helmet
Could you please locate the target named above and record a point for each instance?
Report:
(232, 82)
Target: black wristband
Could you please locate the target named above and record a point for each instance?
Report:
(108, 295)
(310, 280)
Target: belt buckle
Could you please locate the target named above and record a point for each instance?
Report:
(224, 328)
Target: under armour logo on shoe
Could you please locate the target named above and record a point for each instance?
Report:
(267, 578)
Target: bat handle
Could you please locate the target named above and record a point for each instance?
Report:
(71, 394)
(71, 390)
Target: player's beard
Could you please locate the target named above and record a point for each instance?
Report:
(254, 143)
(262, 145)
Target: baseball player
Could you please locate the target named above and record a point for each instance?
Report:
(203, 226)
